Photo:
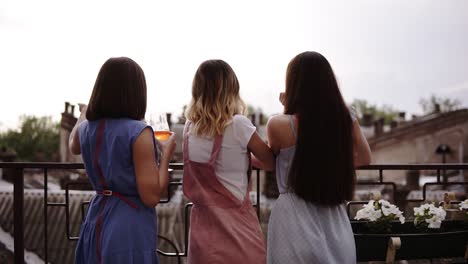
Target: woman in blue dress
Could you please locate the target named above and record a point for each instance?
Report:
(119, 154)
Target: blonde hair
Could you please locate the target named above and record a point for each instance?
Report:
(215, 98)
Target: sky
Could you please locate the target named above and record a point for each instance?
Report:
(387, 52)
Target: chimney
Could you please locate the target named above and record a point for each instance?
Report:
(393, 124)
(68, 120)
(378, 127)
(367, 119)
(253, 119)
(402, 115)
(67, 104)
(436, 108)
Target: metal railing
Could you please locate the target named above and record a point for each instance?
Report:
(16, 170)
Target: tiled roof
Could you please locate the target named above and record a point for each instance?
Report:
(421, 126)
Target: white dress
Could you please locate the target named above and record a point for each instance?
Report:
(303, 232)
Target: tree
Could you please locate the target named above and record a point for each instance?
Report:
(435, 104)
(37, 139)
(387, 112)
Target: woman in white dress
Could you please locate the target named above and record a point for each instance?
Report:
(318, 144)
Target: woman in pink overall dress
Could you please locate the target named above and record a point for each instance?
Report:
(217, 139)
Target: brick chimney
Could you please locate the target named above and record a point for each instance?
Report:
(68, 117)
(367, 119)
(379, 127)
(66, 125)
(436, 108)
(393, 124)
(402, 115)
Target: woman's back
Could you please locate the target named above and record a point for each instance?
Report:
(216, 142)
(126, 226)
(301, 231)
(233, 163)
(115, 155)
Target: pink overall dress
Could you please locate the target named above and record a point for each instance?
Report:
(222, 228)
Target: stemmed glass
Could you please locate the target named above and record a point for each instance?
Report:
(160, 126)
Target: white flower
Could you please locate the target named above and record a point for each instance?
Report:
(434, 222)
(373, 211)
(430, 214)
(437, 211)
(384, 202)
(386, 211)
(402, 219)
(368, 212)
(362, 214)
(464, 205)
(369, 205)
(375, 215)
(391, 210)
(418, 211)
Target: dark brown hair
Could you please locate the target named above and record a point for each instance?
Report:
(119, 91)
(322, 170)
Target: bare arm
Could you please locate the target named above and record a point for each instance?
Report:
(74, 139)
(146, 169)
(273, 140)
(262, 153)
(362, 152)
(151, 179)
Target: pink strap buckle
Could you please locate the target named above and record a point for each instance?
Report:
(107, 192)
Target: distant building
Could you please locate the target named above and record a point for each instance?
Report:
(434, 138)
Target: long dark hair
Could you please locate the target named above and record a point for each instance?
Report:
(119, 91)
(322, 170)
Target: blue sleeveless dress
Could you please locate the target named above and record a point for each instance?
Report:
(302, 232)
(118, 228)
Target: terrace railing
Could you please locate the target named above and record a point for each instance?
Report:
(16, 170)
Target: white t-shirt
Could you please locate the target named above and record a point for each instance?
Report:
(232, 163)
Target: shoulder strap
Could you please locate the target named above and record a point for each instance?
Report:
(218, 140)
(185, 144)
(97, 151)
(291, 123)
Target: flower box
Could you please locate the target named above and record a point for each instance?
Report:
(450, 241)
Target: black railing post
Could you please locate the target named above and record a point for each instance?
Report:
(18, 213)
(46, 243)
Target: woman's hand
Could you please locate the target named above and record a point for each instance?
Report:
(167, 147)
(73, 140)
(83, 108)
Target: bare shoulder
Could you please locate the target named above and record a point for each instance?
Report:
(278, 122)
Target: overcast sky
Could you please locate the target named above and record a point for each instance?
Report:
(387, 52)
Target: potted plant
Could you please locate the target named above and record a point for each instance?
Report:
(380, 215)
(428, 217)
(464, 206)
(440, 239)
